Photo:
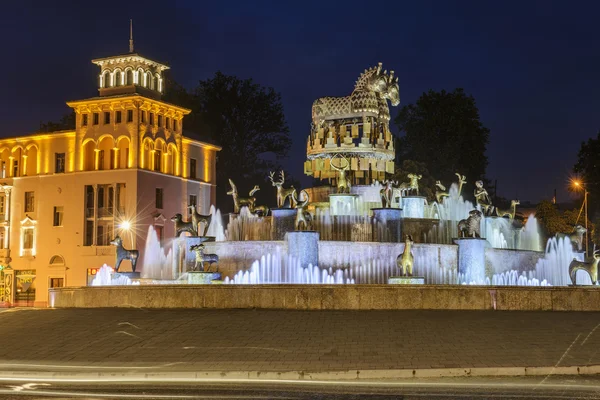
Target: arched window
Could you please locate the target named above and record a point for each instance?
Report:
(118, 79)
(106, 79)
(140, 77)
(57, 260)
(129, 77)
(149, 81)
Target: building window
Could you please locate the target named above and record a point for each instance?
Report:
(29, 201)
(89, 233)
(59, 163)
(129, 115)
(2, 205)
(104, 233)
(95, 118)
(101, 159)
(192, 168)
(16, 168)
(58, 216)
(114, 160)
(143, 117)
(159, 232)
(168, 123)
(57, 282)
(174, 125)
(106, 117)
(151, 118)
(4, 169)
(28, 238)
(192, 202)
(157, 157)
(118, 117)
(160, 121)
(84, 118)
(159, 198)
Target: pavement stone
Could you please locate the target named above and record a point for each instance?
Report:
(284, 340)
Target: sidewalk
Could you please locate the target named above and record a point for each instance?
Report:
(266, 343)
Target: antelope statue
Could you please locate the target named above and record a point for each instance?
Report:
(303, 218)
(197, 219)
(201, 258)
(462, 179)
(343, 182)
(124, 254)
(576, 237)
(406, 260)
(282, 193)
(510, 213)
(440, 192)
(412, 186)
(590, 266)
(239, 202)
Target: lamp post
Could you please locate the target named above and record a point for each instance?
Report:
(580, 185)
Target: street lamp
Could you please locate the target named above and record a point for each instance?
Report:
(581, 186)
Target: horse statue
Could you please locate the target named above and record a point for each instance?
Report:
(124, 254)
(405, 261)
(371, 92)
(183, 226)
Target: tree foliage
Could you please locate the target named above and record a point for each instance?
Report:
(443, 130)
(243, 117)
(588, 167)
(555, 221)
(65, 123)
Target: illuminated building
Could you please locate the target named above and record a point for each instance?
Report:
(64, 195)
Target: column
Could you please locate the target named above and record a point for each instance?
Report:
(7, 210)
(24, 167)
(95, 214)
(11, 161)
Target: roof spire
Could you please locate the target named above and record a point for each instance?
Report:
(131, 36)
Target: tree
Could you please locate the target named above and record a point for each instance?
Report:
(588, 167)
(247, 120)
(555, 221)
(443, 130)
(66, 122)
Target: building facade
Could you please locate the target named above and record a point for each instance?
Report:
(127, 166)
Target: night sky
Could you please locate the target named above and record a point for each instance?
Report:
(533, 67)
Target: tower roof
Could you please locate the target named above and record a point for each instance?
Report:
(129, 57)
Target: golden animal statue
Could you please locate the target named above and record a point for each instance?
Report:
(303, 218)
(202, 258)
(343, 182)
(511, 212)
(483, 198)
(412, 186)
(576, 236)
(239, 202)
(197, 219)
(440, 192)
(282, 193)
(470, 227)
(462, 179)
(405, 261)
(261, 211)
(387, 194)
(590, 266)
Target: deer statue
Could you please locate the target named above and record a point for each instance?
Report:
(239, 202)
(440, 192)
(387, 194)
(124, 254)
(343, 182)
(282, 193)
(182, 226)
(462, 179)
(412, 186)
(201, 258)
(405, 261)
(197, 219)
(303, 218)
(262, 211)
(511, 213)
(590, 266)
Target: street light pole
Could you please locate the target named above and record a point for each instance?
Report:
(586, 223)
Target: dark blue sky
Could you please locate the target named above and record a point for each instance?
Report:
(533, 67)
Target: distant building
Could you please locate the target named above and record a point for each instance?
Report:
(65, 195)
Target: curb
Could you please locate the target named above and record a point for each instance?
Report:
(286, 376)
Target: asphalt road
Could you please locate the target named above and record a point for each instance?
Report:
(554, 387)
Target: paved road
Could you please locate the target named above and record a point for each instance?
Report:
(268, 340)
